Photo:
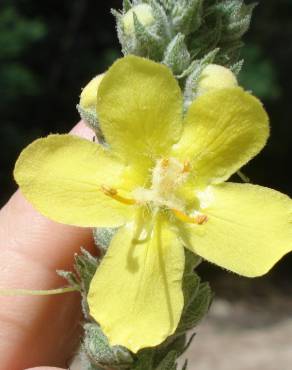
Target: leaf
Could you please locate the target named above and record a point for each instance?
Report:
(85, 265)
(90, 118)
(102, 238)
(126, 5)
(177, 56)
(197, 309)
(144, 360)
(173, 343)
(162, 22)
(98, 349)
(188, 16)
(86, 363)
(150, 44)
(169, 362)
(70, 276)
(195, 74)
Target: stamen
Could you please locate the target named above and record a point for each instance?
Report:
(165, 163)
(187, 167)
(198, 220)
(113, 193)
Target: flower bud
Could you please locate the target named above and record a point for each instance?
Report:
(216, 77)
(144, 14)
(88, 96)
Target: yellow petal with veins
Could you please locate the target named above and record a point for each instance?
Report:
(223, 130)
(249, 228)
(136, 293)
(62, 176)
(140, 110)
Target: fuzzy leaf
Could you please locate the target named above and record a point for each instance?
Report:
(90, 118)
(85, 265)
(69, 276)
(86, 364)
(197, 309)
(163, 24)
(236, 68)
(191, 284)
(167, 4)
(192, 261)
(98, 349)
(144, 360)
(195, 74)
(173, 343)
(187, 16)
(126, 5)
(177, 56)
(150, 45)
(169, 362)
(102, 238)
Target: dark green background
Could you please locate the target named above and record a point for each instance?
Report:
(49, 49)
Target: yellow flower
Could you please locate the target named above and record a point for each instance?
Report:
(161, 180)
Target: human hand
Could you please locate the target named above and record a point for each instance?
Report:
(37, 330)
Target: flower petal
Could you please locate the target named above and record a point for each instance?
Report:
(140, 108)
(249, 228)
(136, 294)
(62, 176)
(224, 129)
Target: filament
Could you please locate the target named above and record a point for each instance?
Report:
(24, 292)
(198, 220)
(113, 193)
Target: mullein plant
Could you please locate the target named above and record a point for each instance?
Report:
(172, 125)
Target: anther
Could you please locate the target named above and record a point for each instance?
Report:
(108, 191)
(165, 163)
(113, 193)
(198, 220)
(187, 167)
(202, 219)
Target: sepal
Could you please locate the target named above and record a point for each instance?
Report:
(99, 351)
(169, 362)
(194, 74)
(187, 16)
(177, 56)
(90, 118)
(102, 238)
(196, 309)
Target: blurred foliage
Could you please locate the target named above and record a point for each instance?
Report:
(259, 73)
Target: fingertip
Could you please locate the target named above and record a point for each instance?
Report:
(82, 130)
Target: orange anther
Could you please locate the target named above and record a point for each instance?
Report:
(198, 220)
(165, 163)
(108, 191)
(187, 166)
(202, 219)
(113, 193)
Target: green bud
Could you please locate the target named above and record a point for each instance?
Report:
(144, 14)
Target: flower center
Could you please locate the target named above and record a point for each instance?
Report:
(167, 176)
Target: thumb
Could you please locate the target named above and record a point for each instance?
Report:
(37, 330)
